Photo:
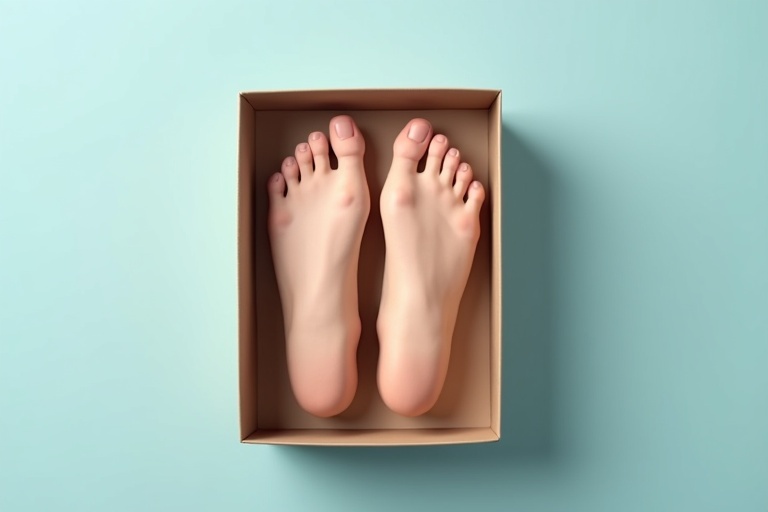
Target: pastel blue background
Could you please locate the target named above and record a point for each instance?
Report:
(636, 252)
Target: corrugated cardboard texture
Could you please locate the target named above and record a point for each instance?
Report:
(470, 400)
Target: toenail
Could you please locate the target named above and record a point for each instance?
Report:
(476, 184)
(464, 167)
(440, 138)
(454, 152)
(290, 161)
(315, 136)
(303, 147)
(344, 128)
(276, 178)
(418, 131)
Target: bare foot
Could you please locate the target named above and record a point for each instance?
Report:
(431, 233)
(315, 231)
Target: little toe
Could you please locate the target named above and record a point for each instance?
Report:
(435, 154)
(279, 214)
(304, 159)
(290, 172)
(347, 142)
(276, 188)
(411, 144)
(475, 196)
(450, 164)
(318, 143)
(463, 179)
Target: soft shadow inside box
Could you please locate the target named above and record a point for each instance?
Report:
(466, 397)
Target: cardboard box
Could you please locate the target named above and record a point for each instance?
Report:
(468, 411)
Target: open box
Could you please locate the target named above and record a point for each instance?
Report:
(468, 411)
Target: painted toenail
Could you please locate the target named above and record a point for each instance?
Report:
(315, 136)
(454, 152)
(418, 131)
(440, 139)
(344, 128)
(290, 161)
(303, 147)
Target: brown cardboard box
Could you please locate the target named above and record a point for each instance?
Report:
(468, 411)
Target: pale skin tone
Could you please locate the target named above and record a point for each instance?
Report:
(315, 228)
(431, 227)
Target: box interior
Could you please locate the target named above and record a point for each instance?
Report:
(467, 411)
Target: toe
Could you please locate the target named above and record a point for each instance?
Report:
(346, 140)
(276, 188)
(304, 159)
(436, 153)
(463, 179)
(290, 172)
(475, 196)
(411, 144)
(450, 164)
(319, 146)
(279, 214)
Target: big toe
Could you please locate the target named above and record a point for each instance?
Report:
(412, 142)
(346, 140)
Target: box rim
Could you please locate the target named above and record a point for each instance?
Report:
(494, 426)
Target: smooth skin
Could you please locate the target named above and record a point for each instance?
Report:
(431, 228)
(316, 219)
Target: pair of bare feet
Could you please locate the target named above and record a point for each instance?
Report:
(431, 227)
